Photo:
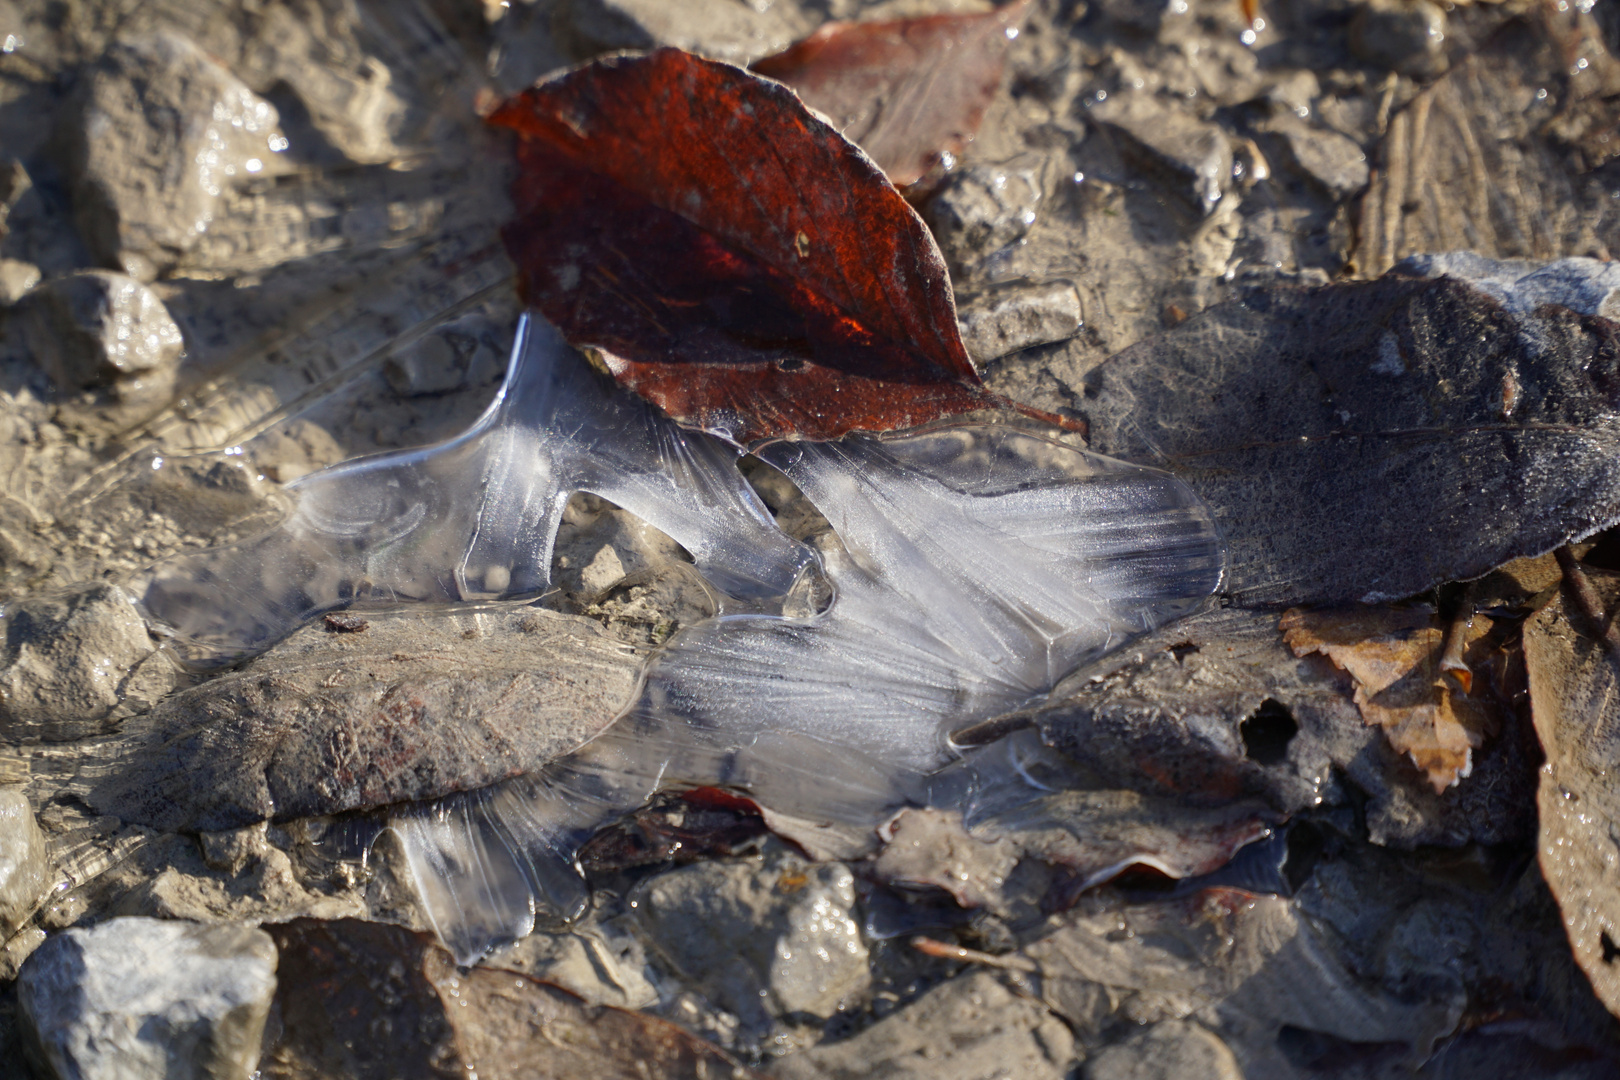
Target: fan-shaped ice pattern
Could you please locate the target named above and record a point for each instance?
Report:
(474, 519)
(972, 566)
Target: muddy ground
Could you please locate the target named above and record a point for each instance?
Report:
(292, 210)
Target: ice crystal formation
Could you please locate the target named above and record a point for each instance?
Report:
(973, 565)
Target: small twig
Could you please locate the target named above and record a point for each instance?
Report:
(1587, 599)
(1451, 652)
(988, 731)
(930, 947)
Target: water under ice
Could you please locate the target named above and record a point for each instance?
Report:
(474, 519)
(971, 567)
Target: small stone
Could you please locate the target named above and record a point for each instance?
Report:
(1190, 156)
(972, 1026)
(428, 366)
(602, 572)
(786, 929)
(1172, 1048)
(234, 849)
(1018, 317)
(164, 130)
(340, 623)
(108, 344)
(1406, 36)
(984, 208)
(722, 29)
(16, 278)
(1332, 160)
(134, 998)
(66, 663)
(24, 867)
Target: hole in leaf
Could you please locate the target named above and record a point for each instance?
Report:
(1610, 949)
(1267, 732)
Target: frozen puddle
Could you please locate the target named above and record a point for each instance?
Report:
(972, 567)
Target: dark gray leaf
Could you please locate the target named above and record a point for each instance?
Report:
(1217, 706)
(1368, 441)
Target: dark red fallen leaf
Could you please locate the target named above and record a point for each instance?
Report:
(905, 90)
(733, 259)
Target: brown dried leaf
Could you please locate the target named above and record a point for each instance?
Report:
(1395, 656)
(1575, 701)
(905, 90)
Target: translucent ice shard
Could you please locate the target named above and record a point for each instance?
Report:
(977, 566)
(973, 567)
(474, 519)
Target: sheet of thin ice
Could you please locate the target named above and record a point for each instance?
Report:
(474, 519)
(973, 567)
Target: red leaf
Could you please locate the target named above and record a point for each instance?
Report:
(906, 90)
(735, 260)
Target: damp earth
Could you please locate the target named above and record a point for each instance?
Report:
(384, 691)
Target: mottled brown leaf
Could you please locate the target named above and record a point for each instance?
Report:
(1394, 655)
(905, 90)
(1575, 700)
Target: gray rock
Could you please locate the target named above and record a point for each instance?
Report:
(108, 344)
(785, 929)
(24, 867)
(724, 29)
(1243, 966)
(1366, 441)
(163, 130)
(1168, 1050)
(1407, 36)
(1189, 156)
(1332, 160)
(1018, 317)
(970, 1028)
(139, 998)
(984, 208)
(16, 278)
(72, 666)
(1218, 704)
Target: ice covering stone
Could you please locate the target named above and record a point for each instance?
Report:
(135, 998)
(164, 129)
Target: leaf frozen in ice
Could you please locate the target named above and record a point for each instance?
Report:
(1367, 441)
(905, 90)
(732, 258)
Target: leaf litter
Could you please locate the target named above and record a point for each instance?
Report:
(1287, 767)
